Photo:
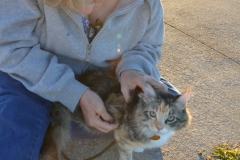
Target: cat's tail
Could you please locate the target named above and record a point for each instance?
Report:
(58, 133)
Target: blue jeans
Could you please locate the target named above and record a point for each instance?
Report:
(24, 118)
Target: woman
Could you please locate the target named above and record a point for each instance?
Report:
(45, 43)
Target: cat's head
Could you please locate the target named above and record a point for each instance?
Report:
(160, 113)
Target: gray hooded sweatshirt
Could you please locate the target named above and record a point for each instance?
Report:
(44, 47)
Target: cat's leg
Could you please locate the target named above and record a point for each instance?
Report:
(125, 154)
(57, 135)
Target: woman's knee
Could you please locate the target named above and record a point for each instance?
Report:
(24, 118)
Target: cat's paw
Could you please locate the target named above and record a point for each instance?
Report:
(138, 150)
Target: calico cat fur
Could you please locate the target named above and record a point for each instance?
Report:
(140, 119)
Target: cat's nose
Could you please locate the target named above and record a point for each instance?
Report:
(159, 128)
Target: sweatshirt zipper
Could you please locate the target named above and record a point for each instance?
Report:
(77, 20)
(89, 45)
(88, 52)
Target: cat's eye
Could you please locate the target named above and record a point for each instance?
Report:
(152, 113)
(170, 118)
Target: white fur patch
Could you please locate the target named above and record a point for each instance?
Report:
(164, 137)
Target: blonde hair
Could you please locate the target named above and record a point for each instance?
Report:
(70, 4)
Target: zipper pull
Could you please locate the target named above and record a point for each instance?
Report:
(88, 52)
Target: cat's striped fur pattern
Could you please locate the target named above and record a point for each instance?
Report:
(140, 119)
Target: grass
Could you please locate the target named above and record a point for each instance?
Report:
(226, 152)
(222, 152)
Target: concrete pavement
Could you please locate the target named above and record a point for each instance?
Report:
(202, 51)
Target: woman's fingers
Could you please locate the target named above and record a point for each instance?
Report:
(104, 114)
(156, 84)
(94, 120)
(105, 126)
(126, 92)
(130, 79)
(94, 112)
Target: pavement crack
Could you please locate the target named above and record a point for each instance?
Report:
(203, 43)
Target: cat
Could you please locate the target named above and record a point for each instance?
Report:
(145, 121)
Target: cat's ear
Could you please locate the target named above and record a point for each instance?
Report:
(148, 95)
(182, 100)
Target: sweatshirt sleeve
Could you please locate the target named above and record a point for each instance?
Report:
(144, 56)
(23, 59)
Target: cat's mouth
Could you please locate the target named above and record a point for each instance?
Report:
(163, 132)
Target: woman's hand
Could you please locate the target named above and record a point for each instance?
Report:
(130, 79)
(94, 112)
